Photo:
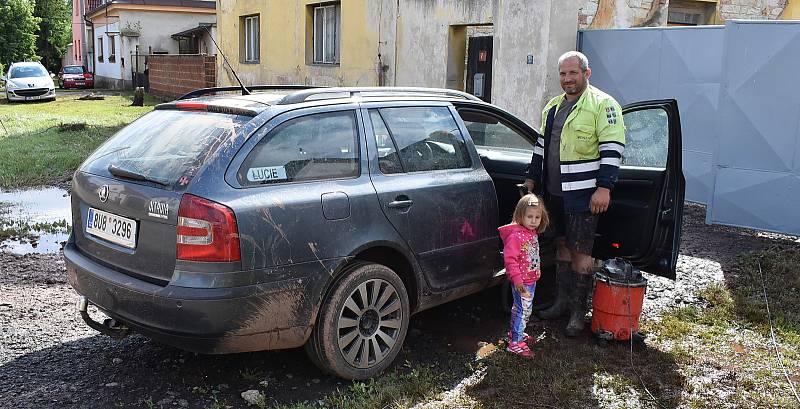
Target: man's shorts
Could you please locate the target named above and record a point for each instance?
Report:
(578, 229)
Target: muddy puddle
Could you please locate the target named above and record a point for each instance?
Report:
(34, 221)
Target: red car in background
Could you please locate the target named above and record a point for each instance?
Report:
(75, 76)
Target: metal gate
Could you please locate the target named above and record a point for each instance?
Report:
(139, 74)
(757, 164)
(684, 63)
(739, 107)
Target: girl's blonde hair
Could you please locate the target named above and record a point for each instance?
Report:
(531, 200)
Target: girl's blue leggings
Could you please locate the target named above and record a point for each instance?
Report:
(520, 312)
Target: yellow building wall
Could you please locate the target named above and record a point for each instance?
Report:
(285, 33)
(792, 11)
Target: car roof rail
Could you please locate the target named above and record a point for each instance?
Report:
(348, 92)
(204, 91)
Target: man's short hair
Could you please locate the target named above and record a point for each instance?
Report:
(582, 60)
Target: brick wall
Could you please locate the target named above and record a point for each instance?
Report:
(622, 13)
(751, 9)
(637, 13)
(171, 76)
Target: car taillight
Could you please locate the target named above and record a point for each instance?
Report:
(191, 106)
(206, 231)
(87, 75)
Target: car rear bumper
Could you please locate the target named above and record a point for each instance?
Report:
(206, 320)
(78, 84)
(14, 96)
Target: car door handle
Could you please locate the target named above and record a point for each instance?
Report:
(400, 204)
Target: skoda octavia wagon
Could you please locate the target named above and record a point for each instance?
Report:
(326, 217)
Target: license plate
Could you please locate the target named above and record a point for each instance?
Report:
(79, 83)
(108, 226)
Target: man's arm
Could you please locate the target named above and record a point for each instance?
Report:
(611, 142)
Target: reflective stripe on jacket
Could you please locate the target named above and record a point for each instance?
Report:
(592, 142)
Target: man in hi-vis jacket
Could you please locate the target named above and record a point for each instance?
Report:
(575, 165)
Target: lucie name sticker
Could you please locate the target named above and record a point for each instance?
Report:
(266, 174)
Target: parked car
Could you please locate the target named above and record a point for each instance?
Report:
(75, 76)
(325, 218)
(27, 81)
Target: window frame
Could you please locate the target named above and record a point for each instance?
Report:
(250, 52)
(391, 138)
(472, 161)
(112, 48)
(267, 131)
(505, 122)
(100, 54)
(322, 43)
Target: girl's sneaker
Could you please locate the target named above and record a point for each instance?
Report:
(520, 348)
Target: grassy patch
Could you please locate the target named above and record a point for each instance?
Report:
(42, 143)
(725, 348)
(392, 390)
(781, 271)
(715, 355)
(577, 373)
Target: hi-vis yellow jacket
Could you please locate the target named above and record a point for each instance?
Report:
(592, 142)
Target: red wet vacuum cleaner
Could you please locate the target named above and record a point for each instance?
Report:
(617, 301)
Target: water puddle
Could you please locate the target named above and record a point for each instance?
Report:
(34, 221)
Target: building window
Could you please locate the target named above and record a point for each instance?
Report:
(250, 42)
(112, 49)
(679, 18)
(99, 49)
(325, 34)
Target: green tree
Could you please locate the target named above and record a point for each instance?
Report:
(18, 28)
(55, 31)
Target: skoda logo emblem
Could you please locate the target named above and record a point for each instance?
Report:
(103, 193)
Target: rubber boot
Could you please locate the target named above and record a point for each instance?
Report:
(579, 303)
(565, 281)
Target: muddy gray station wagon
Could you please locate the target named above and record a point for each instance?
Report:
(326, 217)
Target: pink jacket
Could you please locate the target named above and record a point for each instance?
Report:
(520, 253)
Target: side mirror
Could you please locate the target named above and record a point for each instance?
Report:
(52, 75)
(3, 78)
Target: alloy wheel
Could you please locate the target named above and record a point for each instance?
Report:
(369, 323)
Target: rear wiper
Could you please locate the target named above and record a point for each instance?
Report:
(129, 174)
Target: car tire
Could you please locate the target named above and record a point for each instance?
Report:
(362, 323)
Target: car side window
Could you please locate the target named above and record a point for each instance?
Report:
(312, 147)
(646, 138)
(490, 131)
(388, 160)
(427, 138)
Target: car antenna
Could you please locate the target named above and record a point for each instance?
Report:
(245, 91)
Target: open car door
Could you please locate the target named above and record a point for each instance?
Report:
(643, 222)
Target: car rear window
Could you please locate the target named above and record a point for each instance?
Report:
(73, 70)
(165, 146)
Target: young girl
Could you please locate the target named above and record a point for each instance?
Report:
(521, 256)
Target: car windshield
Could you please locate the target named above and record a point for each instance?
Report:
(73, 70)
(28, 71)
(165, 145)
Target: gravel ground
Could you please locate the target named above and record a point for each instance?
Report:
(50, 359)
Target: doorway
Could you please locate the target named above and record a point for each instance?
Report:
(479, 67)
